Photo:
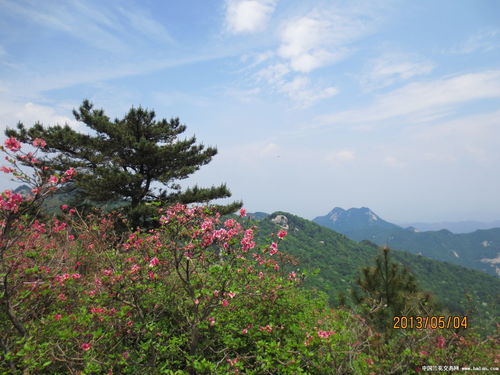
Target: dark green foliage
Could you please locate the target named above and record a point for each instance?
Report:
(120, 160)
(389, 289)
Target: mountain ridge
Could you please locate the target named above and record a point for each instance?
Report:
(479, 250)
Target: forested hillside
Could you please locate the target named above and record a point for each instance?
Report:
(478, 250)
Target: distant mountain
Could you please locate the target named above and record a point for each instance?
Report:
(24, 190)
(479, 250)
(455, 227)
(340, 260)
(356, 223)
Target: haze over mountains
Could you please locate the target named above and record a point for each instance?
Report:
(479, 250)
(466, 226)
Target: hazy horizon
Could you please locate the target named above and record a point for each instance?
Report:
(391, 105)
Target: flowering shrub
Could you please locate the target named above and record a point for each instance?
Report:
(195, 296)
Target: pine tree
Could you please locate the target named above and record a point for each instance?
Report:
(120, 160)
(388, 289)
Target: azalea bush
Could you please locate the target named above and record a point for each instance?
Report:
(195, 296)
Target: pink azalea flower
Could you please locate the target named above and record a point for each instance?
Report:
(53, 179)
(282, 233)
(211, 320)
(231, 294)
(243, 212)
(440, 342)
(216, 293)
(64, 207)
(39, 142)
(274, 248)
(13, 144)
(70, 172)
(154, 262)
(107, 272)
(244, 331)
(86, 346)
(325, 334)
(225, 303)
(6, 169)
(58, 317)
(76, 276)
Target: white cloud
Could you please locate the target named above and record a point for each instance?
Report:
(482, 41)
(393, 68)
(308, 42)
(304, 93)
(110, 29)
(248, 16)
(321, 38)
(428, 98)
(29, 113)
(340, 156)
(394, 162)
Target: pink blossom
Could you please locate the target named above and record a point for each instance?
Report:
(225, 303)
(154, 262)
(135, 268)
(282, 233)
(58, 317)
(274, 248)
(64, 207)
(36, 190)
(107, 272)
(244, 331)
(76, 276)
(196, 301)
(325, 334)
(39, 142)
(86, 346)
(369, 361)
(423, 352)
(231, 294)
(70, 172)
(211, 320)
(440, 342)
(53, 179)
(266, 328)
(62, 297)
(6, 169)
(232, 362)
(216, 293)
(13, 144)
(243, 212)
(71, 237)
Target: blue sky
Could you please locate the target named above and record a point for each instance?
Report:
(393, 105)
